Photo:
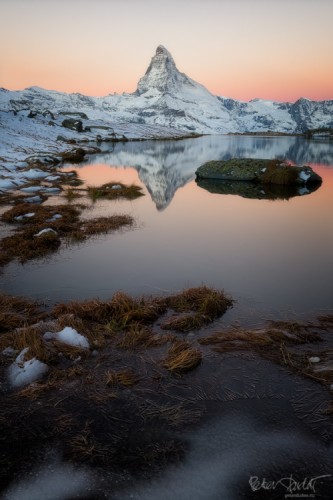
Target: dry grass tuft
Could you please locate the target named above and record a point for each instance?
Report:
(237, 335)
(183, 323)
(127, 310)
(89, 310)
(82, 445)
(114, 191)
(41, 213)
(206, 305)
(106, 224)
(276, 333)
(71, 320)
(64, 423)
(181, 357)
(15, 312)
(72, 194)
(28, 337)
(139, 337)
(125, 378)
(24, 245)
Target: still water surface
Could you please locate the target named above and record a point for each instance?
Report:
(275, 257)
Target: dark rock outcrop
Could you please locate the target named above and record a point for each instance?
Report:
(73, 124)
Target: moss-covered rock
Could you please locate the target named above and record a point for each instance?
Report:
(261, 171)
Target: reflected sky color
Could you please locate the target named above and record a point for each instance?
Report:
(274, 49)
(274, 257)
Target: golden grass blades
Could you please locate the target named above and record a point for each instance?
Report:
(182, 357)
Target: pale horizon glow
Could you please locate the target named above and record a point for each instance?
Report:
(244, 49)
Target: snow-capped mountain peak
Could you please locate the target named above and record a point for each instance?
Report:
(162, 74)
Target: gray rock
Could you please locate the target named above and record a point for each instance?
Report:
(73, 124)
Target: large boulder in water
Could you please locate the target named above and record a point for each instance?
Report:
(259, 171)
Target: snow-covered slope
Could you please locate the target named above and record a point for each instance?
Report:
(167, 97)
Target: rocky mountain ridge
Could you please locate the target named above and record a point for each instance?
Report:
(169, 98)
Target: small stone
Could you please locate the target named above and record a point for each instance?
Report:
(9, 351)
(314, 359)
(48, 230)
(33, 199)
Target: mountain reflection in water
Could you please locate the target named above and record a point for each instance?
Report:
(165, 166)
(274, 257)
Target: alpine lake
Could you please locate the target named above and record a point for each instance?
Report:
(273, 255)
(248, 422)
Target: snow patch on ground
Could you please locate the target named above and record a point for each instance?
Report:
(21, 373)
(47, 230)
(69, 336)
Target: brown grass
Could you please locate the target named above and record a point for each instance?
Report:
(181, 357)
(24, 245)
(204, 303)
(123, 312)
(127, 310)
(117, 313)
(72, 194)
(237, 335)
(279, 173)
(28, 337)
(82, 445)
(15, 312)
(33, 391)
(106, 224)
(183, 323)
(42, 213)
(110, 191)
(139, 337)
(276, 333)
(64, 423)
(125, 378)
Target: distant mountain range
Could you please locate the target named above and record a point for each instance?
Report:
(167, 97)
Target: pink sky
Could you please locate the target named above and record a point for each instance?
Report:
(273, 49)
